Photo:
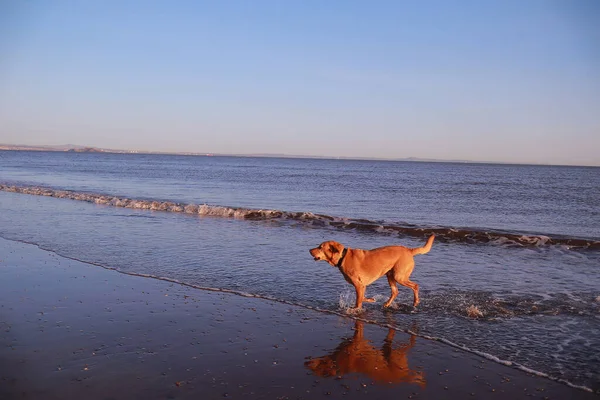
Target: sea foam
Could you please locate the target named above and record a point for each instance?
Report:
(447, 234)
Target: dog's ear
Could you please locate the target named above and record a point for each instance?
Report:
(333, 249)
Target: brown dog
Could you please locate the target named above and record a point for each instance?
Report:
(388, 364)
(363, 267)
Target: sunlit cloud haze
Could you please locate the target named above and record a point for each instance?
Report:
(508, 81)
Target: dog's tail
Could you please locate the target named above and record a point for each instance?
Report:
(425, 249)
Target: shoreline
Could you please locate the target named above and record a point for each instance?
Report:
(70, 329)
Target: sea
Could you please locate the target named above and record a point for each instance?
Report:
(513, 274)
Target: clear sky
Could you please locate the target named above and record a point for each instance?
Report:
(511, 81)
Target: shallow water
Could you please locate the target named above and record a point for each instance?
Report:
(539, 302)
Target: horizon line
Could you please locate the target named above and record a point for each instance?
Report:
(93, 149)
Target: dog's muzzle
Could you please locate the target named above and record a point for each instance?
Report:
(315, 254)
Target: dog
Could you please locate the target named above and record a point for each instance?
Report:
(388, 364)
(360, 268)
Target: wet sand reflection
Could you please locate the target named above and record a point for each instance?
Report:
(385, 364)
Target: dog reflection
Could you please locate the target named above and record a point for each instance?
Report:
(388, 364)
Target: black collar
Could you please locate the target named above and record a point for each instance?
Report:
(341, 260)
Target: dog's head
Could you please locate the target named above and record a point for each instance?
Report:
(322, 366)
(329, 251)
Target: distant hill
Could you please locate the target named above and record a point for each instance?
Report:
(68, 147)
(86, 150)
(72, 148)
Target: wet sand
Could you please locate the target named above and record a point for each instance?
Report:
(71, 330)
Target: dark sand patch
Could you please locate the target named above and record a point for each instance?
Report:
(70, 330)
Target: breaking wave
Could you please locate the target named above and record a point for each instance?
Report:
(447, 234)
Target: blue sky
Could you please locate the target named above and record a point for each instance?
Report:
(510, 81)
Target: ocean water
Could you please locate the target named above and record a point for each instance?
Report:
(521, 243)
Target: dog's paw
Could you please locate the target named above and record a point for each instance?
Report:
(354, 310)
(369, 300)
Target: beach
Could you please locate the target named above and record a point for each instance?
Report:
(74, 330)
(216, 200)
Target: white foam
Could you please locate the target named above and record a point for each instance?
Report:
(504, 241)
(304, 217)
(539, 240)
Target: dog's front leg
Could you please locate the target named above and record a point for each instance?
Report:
(360, 295)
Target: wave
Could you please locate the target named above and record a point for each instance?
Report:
(446, 234)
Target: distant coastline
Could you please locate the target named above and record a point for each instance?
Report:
(69, 148)
(88, 149)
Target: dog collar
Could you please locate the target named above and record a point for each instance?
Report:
(341, 260)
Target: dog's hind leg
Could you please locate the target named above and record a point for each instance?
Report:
(392, 282)
(415, 288)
